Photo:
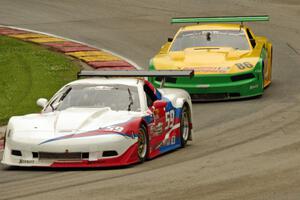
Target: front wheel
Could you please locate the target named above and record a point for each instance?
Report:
(142, 143)
(185, 129)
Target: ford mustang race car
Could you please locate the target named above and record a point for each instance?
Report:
(228, 59)
(101, 121)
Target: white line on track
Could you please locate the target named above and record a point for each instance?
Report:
(68, 39)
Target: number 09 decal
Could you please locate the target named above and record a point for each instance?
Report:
(170, 117)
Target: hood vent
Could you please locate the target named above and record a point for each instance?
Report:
(242, 77)
(109, 153)
(60, 156)
(16, 152)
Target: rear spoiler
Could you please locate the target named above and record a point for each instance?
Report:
(241, 19)
(137, 73)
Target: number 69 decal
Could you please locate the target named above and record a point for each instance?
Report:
(170, 117)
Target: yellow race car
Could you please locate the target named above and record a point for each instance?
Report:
(229, 61)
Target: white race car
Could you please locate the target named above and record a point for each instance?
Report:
(102, 121)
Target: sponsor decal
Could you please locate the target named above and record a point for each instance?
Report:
(209, 69)
(157, 129)
(23, 161)
(253, 86)
(113, 128)
(173, 140)
(173, 144)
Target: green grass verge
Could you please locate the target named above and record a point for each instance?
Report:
(28, 72)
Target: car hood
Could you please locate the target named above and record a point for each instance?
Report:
(207, 61)
(72, 120)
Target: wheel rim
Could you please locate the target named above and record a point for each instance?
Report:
(185, 126)
(142, 144)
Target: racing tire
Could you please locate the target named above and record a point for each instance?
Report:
(143, 143)
(185, 129)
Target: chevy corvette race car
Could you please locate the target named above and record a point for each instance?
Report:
(228, 59)
(102, 121)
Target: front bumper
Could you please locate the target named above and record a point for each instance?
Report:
(217, 87)
(101, 151)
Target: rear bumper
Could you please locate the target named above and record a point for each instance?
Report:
(216, 87)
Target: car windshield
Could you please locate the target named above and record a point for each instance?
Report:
(117, 97)
(210, 38)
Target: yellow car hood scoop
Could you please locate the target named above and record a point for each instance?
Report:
(207, 55)
(210, 60)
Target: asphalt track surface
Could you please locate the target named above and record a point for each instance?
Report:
(241, 149)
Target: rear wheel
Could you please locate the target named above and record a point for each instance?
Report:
(185, 130)
(142, 143)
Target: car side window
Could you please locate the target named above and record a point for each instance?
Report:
(151, 97)
(251, 38)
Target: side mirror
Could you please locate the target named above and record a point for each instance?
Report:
(170, 39)
(42, 102)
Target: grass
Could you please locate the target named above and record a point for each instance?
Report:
(28, 72)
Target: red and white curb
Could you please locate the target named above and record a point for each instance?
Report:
(97, 58)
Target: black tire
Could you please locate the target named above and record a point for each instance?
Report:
(185, 129)
(143, 143)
